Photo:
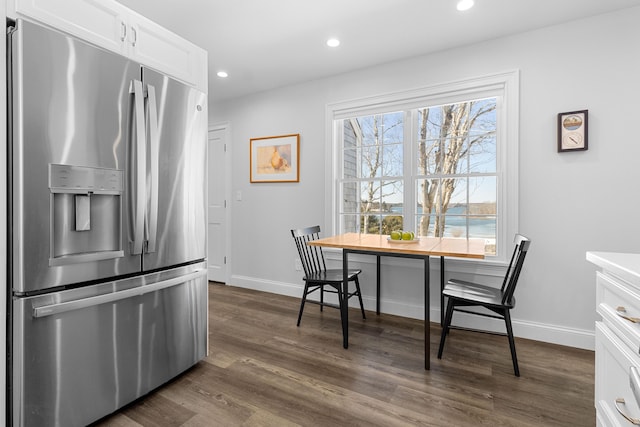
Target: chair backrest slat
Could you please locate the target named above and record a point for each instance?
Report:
(311, 257)
(515, 266)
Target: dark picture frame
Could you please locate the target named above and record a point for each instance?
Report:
(573, 131)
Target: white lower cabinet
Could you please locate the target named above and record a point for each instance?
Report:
(614, 395)
(617, 376)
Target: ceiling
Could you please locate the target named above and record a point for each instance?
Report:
(264, 44)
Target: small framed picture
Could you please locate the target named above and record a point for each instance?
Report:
(573, 131)
(275, 158)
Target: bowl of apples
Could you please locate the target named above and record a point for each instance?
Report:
(401, 236)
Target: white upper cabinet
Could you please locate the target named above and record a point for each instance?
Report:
(100, 22)
(160, 49)
(109, 24)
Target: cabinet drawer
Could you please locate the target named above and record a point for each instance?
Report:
(613, 365)
(611, 294)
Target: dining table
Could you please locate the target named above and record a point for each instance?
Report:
(418, 248)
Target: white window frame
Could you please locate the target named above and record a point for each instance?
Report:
(504, 86)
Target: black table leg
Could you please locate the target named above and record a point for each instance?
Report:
(344, 304)
(441, 291)
(378, 285)
(427, 325)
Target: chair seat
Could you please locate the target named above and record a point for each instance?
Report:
(331, 276)
(475, 293)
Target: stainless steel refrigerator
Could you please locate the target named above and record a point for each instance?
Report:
(107, 194)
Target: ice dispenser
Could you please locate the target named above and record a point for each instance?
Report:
(86, 214)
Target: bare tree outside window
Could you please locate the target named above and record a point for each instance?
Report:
(456, 165)
(374, 160)
(453, 179)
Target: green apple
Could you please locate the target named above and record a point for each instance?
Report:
(396, 235)
(406, 235)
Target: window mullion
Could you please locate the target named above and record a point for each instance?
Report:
(410, 156)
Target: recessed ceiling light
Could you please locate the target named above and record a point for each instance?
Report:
(464, 5)
(222, 74)
(333, 42)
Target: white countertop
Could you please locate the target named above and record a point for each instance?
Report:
(624, 265)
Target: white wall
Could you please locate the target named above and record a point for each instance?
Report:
(569, 202)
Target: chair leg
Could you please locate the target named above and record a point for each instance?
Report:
(342, 300)
(445, 326)
(512, 343)
(360, 297)
(304, 299)
(321, 297)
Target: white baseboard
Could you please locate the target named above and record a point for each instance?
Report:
(281, 288)
(571, 337)
(536, 331)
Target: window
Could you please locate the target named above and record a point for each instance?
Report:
(372, 168)
(438, 161)
(456, 174)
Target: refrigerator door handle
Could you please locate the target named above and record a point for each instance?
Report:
(139, 177)
(154, 143)
(63, 307)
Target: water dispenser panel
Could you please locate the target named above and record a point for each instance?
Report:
(86, 214)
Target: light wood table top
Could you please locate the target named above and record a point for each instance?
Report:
(446, 246)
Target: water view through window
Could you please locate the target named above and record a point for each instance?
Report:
(432, 170)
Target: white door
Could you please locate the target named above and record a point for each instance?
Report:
(217, 206)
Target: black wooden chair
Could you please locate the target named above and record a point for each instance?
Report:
(500, 301)
(316, 274)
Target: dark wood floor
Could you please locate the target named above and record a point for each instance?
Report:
(262, 370)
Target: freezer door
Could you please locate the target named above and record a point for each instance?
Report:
(175, 223)
(70, 119)
(80, 355)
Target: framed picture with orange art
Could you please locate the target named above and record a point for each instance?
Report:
(275, 158)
